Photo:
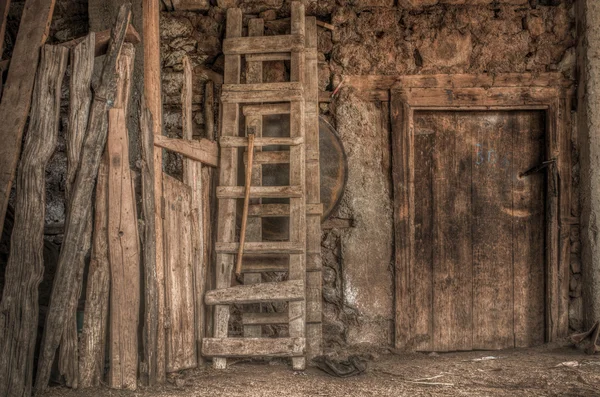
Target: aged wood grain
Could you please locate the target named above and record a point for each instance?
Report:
(291, 291)
(102, 39)
(251, 347)
(25, 268)
(4, 7)
(179, 275)
(203, 150)
(81, 202)
(16, 96)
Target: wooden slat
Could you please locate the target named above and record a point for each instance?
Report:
(264, 247)
(260, 87)
(153, 100)
(228, 177)
(191, 5)
(266, 109)
(16, 96)
(270, 57)
(235, 141)
(124, 256)
(260, 263)
(102, 38)
(203, 150)
(249, 347)
(234, 192)
(278, 157)
(264, 318)
(282, 210)
(283, 95)
(283, 291)
(179, 275)
(261, 45)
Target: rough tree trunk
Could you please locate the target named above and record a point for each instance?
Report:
(19, 306)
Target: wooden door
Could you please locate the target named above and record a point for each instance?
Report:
(478, 256)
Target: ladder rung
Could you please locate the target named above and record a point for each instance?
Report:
(235, 192)
(255, 93)
(269, 57)
(274, 157)
(262, 247)
(264, 318)
(263, 44)
(280, 210)
(282, 291)
(266, 109)
(248, 347)
(260, 263)
(260, 87)
(242, 141)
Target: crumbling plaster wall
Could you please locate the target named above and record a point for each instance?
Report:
(374, 37)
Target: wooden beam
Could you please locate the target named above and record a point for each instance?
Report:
(236, 192)
(190, 5)
(16, 97)
(4, 7)
(263, 44)
(102, 38)
(282, 291)
(19, 305)
(264, 247)
(261, 263)
(240, 141)
(203, 150)
(81, 202)
(251, 347)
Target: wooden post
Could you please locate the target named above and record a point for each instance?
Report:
(16, 97)
(81, 203)
(209, 113)
(152, 98)
(19, 305)
(80, 97)
(149, 369)
(4, 7)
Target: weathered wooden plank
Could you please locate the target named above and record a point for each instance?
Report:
(4, 7)
(282, 210)
(276, 157)
(92, 344)
(102, 38)
(283, 291)
(25, 267)
(153, 100)
(452, 266)
(209, 113)
(251, 347)
(283, 95)
(191, 5)
(266, 109)
(234, 192)
(16, 96)
(203, 150)
(80, 97)
(81, 202)
(228, 177)
(192, 176)
(258, 319)
(240, 141)
(260, 263)
(421, 315)
(267, 44)
(263, 247)
(179, 275)
(260, 87)
(124, 257)
(528, 229)
(492, 203)
(564, 169)
(269, 57)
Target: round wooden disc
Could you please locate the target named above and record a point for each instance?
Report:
(334, 167)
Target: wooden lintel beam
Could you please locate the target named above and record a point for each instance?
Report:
(204, 150)
(131, 36)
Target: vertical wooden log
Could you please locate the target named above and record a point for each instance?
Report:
(207, 183)
(209, 113)
(149, 369)
(95, 320)
(4, 7)
(19, 305)
(16, 97)
(192, 176)
(80, 97)
(124, 256)
(81, 203)
(152, 97)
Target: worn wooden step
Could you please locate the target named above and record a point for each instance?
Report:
(263, 44)
(267, 92)
(260, 263)
(280, 210)
(242, 141)
(252, 347)
(264, 318)
(283, 291)
(235, 192)
(263, 247)
(274, 157)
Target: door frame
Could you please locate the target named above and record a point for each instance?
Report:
(550, 93)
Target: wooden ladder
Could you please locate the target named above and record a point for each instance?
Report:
(261, 99)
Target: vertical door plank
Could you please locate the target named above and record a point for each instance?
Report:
(124, 256)
(528, 229)
(492, 231)
(452, 261)
(422, 310)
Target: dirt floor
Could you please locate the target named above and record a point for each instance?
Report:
(544, 371)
